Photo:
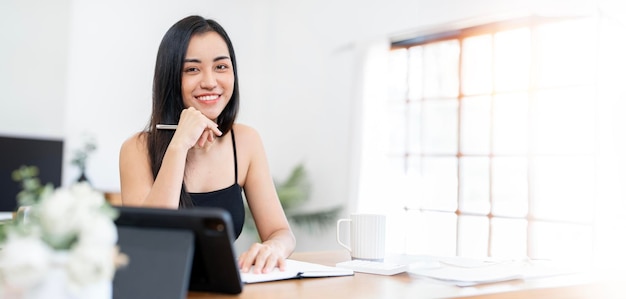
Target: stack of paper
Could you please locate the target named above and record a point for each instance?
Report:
(468, 272)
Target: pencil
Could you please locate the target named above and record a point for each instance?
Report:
(166, 127)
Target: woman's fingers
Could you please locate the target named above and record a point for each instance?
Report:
(281, 264)
(262, 261)
(270, 263)
(262, 257)
(213, 128)
(246, 260)
(203, 138)
(194, 124)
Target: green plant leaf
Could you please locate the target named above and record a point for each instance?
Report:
(292, 193)
(317, 220)
(295, 189)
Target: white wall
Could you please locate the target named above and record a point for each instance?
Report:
(76, 67)
(33, 67)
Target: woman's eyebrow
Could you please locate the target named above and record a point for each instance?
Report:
(196, 60)
(218, 58)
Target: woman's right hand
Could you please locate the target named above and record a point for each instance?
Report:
(195, 129)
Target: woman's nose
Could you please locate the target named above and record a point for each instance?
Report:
(208, 81)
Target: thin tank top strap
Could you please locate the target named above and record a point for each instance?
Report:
(232, 135)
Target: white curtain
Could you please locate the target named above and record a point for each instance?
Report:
(370, 98)
(375, 188)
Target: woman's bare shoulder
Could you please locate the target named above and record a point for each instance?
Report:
(135, 143)
(246, 133)
(248, 140)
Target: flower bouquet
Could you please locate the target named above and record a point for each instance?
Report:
(63, 244)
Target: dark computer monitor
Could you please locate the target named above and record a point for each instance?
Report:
(46, 154)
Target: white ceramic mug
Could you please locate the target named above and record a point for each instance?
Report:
(367, 236)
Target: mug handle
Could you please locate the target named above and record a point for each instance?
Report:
(338, 239)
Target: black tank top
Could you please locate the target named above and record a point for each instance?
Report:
(229, 199)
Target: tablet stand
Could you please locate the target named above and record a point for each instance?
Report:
(159, 263)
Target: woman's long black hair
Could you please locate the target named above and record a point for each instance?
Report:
(167, 101)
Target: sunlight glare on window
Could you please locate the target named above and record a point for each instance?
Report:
(510, 186)
(512, 59)
(441, 64)
(510, 123)
(397, 121)
(509, 238)
(566, 53)
(564, 122)
(414, 130)
(396, 115)
(475, 125)
(563, 188)
(473, 236)
(431, 233)
(440, 183)
(397, 75)
(562, 242)
(415, 75)
(440, 126)
(477, 64)
(474, 185)
(504, 126)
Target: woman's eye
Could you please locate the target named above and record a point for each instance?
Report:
(222, 67)
(191, 69)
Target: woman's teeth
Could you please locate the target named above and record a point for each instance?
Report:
(208, 98)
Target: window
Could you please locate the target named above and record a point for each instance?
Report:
(497, 134)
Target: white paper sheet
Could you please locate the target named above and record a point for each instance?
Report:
(469, 272)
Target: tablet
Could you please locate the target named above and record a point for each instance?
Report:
(190, 249)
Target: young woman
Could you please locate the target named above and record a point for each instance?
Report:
(208, 158)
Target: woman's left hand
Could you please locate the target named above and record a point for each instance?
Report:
(265, 257)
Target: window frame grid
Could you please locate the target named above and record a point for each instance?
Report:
(533, 88)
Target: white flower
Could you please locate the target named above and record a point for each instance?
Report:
(59, 214)
(69, 230)
(66, 211)
(89, 264)
(100, 231)
(24, 260)
(88, 198)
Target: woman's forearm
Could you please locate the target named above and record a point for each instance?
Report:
(165, 192)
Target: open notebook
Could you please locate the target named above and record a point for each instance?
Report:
(295, 269)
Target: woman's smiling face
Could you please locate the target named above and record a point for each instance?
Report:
(208, 77)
